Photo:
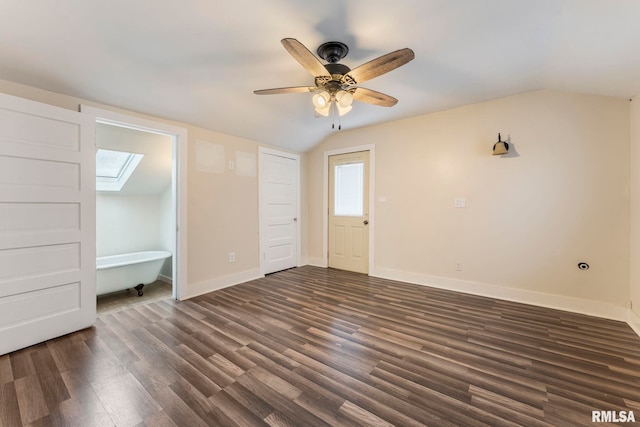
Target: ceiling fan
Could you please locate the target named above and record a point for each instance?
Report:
(336, 85)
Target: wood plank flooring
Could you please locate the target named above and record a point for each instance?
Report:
(128, 298)
(321, 347)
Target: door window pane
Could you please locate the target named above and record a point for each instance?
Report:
(348, 189)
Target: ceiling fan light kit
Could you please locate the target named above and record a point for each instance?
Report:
(321, 100)
(324, 100)
(344, 98)
(336, 85)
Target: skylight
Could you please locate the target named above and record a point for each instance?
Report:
(113, 168)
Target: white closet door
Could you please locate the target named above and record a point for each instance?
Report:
(279, 224)
(47, 222)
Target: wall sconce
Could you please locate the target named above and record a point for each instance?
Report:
(500, 147)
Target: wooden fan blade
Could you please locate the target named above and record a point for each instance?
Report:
(373, 97)
(280, 90)
(301, 54)
(380, 65)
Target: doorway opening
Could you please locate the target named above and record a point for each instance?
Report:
(174, 199)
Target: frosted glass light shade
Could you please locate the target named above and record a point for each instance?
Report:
(344, 99)
(324, 112)
(343, 110)
(321, 100)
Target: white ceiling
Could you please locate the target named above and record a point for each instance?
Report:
(198, 61)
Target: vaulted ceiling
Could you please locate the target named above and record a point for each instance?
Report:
(198, 61)
(153, 175)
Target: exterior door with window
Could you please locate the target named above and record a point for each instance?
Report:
(47, 222)
(348, 212)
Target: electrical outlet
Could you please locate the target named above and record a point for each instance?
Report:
(232, 257)
(232, 165)
(459, 266)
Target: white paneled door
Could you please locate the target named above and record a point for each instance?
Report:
(279, 223)
(349, 211)
(47, 222)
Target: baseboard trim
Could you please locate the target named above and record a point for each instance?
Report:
(633, 319)
(204, 287)
(316, 262)
(165, 279)
(559, 302)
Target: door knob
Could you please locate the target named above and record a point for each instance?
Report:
(365, 222)
(295, 219)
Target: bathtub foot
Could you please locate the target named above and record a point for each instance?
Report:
(139, 289)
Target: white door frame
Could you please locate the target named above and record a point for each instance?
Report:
(371, 148)
(261, 219)
(178, 182)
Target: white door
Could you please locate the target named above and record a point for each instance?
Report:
(279, 224)
(349, 211)
(47, 222)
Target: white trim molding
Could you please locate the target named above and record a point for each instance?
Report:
(178, 182)
(316, 262)
(165, 279)
(218, 283)
(558, 302)
(633, 319)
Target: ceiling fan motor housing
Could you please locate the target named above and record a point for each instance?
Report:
(333, 52)
(338, 73)
(340, 69)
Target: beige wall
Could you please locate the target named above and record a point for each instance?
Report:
(222, 208)
(560, 197)
(530, 217)
(223, 213)
(635, 207)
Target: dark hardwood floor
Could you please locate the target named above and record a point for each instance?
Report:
(319, 347)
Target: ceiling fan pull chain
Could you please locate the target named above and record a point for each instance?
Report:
(332, 107)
